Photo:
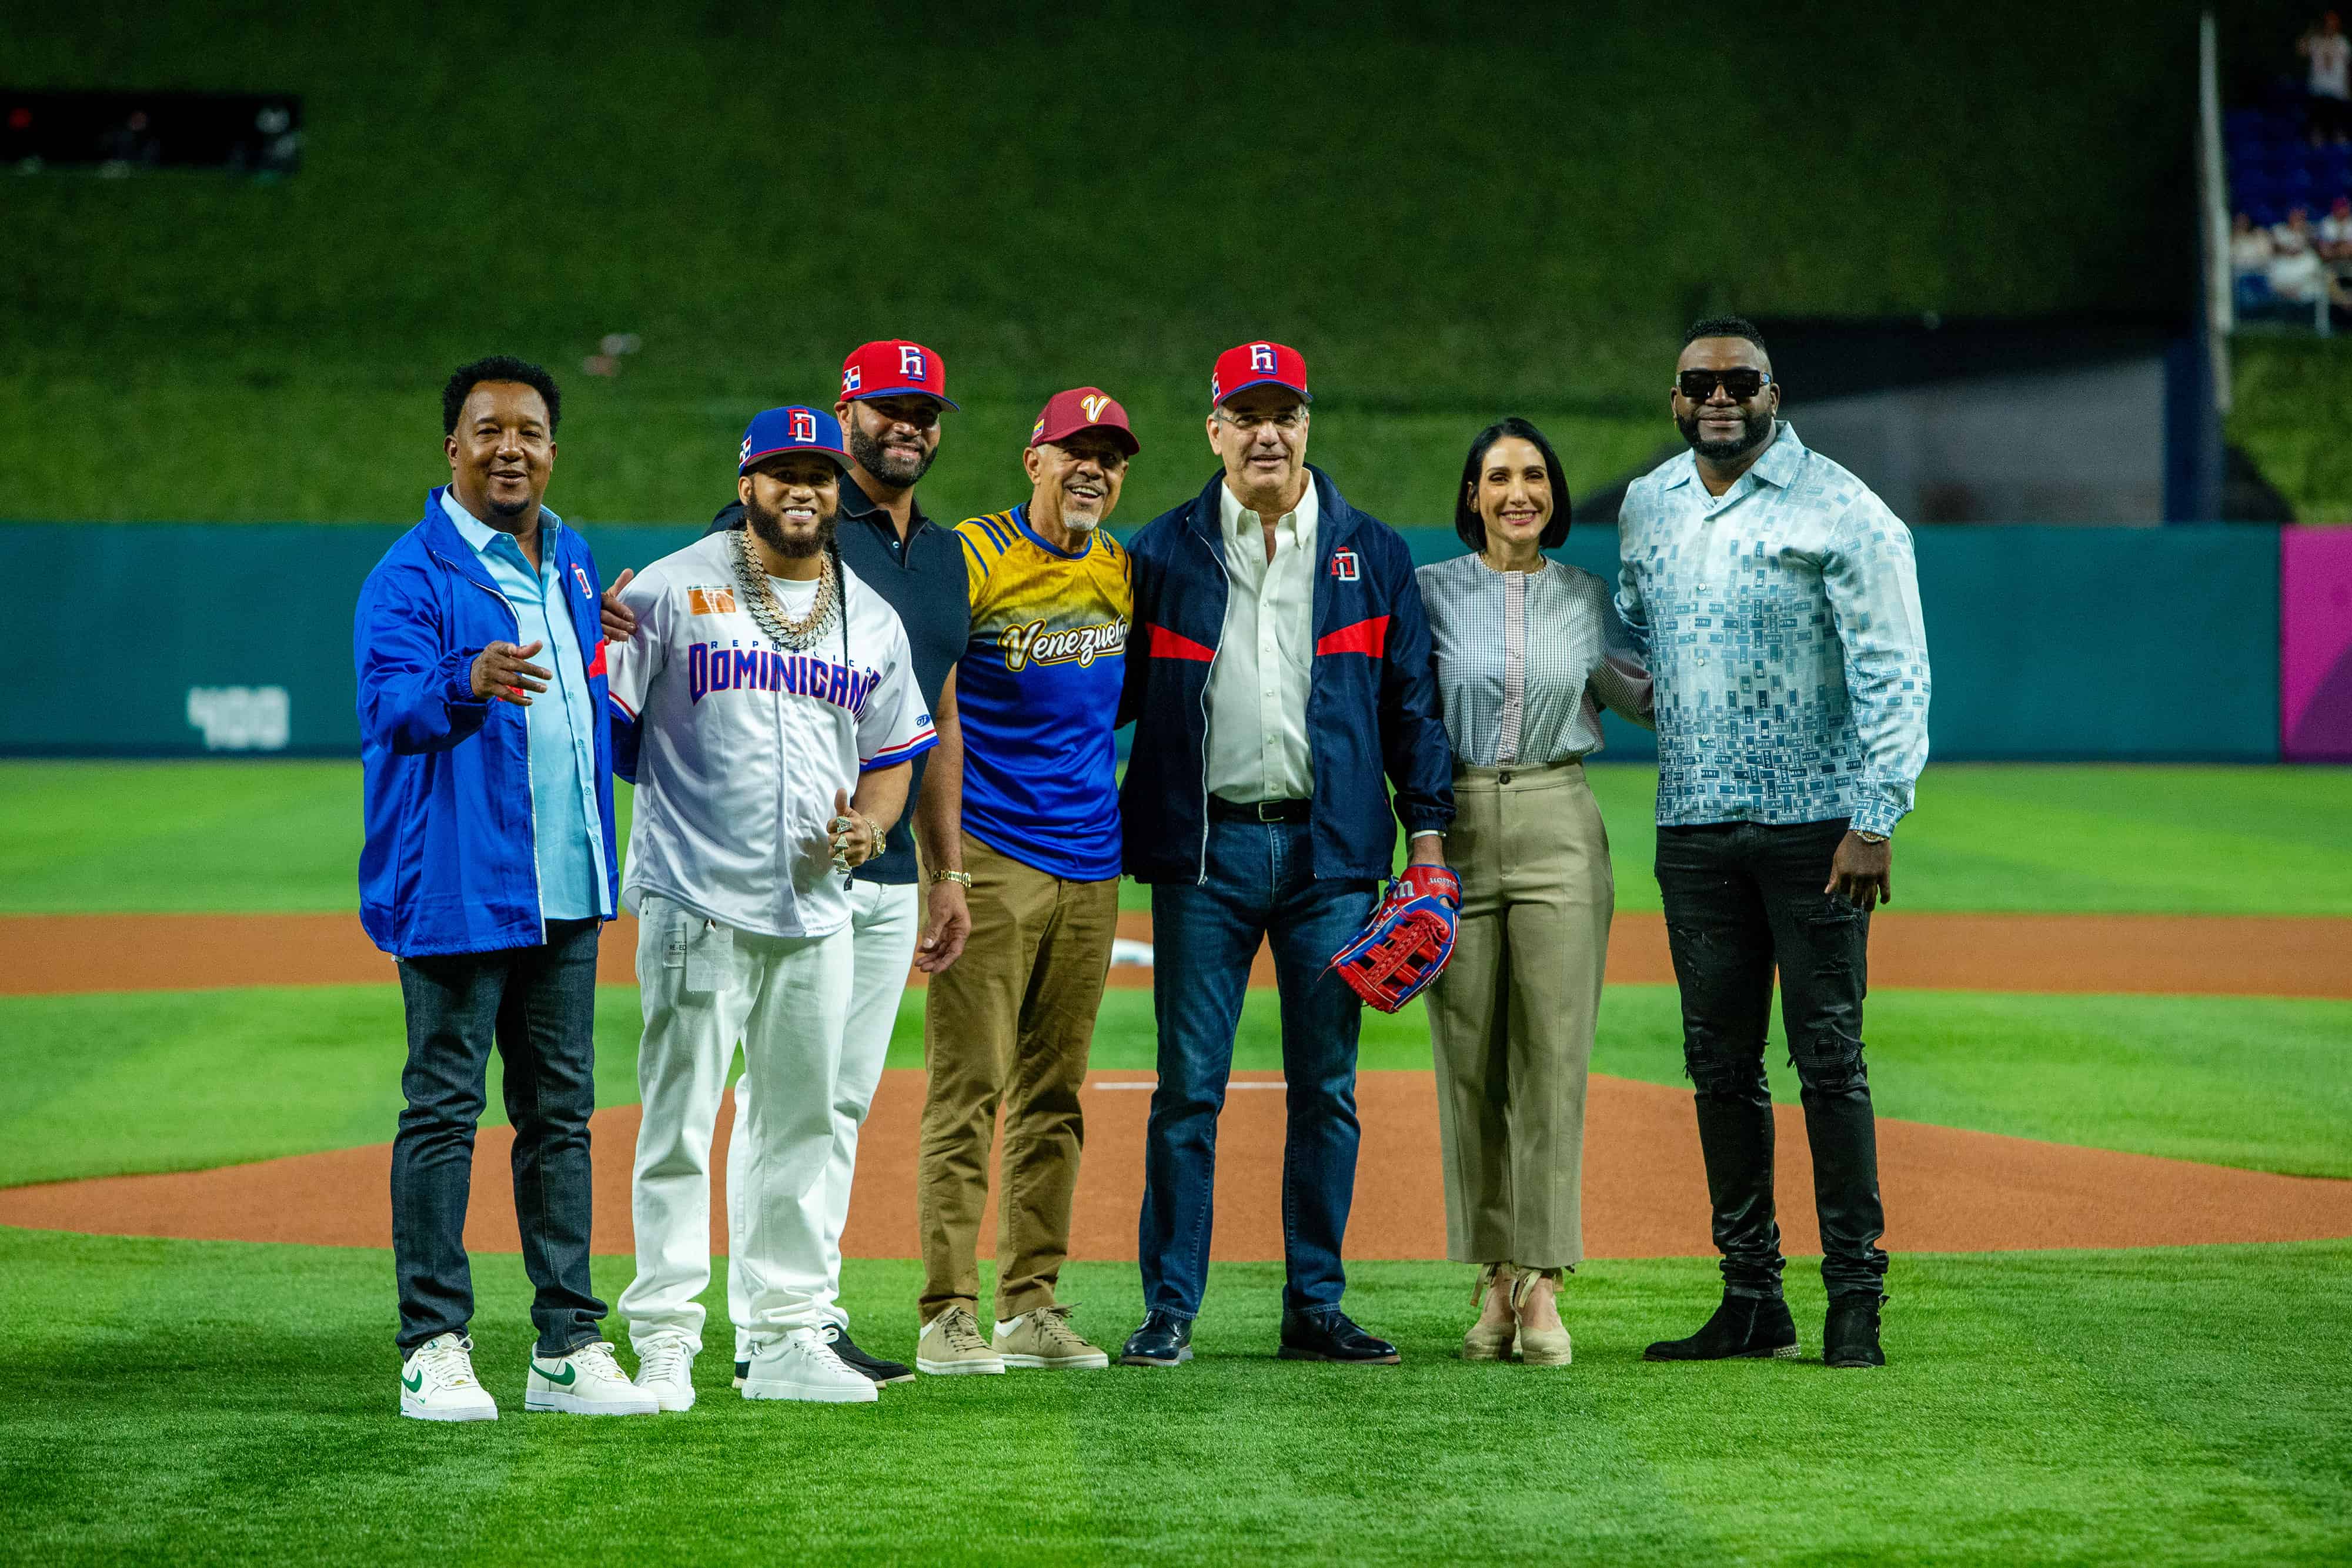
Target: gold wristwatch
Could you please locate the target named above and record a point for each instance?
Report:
(962, 877)
(1868, 837)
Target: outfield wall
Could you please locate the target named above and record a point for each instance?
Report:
(2049, 642)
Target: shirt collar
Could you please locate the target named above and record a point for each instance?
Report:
(479, 534)
(1234, 516)
(858, 504)
(1777, 466)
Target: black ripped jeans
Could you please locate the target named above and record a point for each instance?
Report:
(1742, 900)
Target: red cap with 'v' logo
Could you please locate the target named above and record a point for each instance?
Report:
(1083, 408)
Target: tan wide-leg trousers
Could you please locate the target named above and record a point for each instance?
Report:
(1513, 1014)
(1010, 1022)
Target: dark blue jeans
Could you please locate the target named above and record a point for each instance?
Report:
(538, 1005)
(1744, 903)
(1204, 938)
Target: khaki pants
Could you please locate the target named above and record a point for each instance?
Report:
(1009, 1023)
(1513, 1014)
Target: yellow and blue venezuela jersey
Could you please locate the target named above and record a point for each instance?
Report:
(1037, 694)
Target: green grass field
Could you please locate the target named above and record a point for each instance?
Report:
(208, 1403)
(198, 1402)
(1987, 838)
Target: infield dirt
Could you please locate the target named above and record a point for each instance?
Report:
(2219, 955)
(1645, 1192)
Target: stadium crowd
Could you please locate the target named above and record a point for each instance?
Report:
(2290, 159)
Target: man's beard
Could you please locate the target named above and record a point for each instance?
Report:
(1754, 428)
(509, 509)
(876, 460)
(769, 527)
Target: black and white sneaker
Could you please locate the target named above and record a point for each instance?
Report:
(873, 1367)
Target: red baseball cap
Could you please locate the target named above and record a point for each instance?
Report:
(1257, 365)
(893, 368)
(1083, 408)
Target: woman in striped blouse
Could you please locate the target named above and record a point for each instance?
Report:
(1529, 652)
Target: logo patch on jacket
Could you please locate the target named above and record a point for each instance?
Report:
(710, 600)
(581, 573)
(1343, 564)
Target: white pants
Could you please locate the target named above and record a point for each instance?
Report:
(705, 984)
(884, 921)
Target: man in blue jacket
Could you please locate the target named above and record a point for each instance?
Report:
(1279, 667)
(487, 871)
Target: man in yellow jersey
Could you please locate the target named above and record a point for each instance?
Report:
(1012, 1020)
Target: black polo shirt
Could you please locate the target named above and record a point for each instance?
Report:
(921, 577)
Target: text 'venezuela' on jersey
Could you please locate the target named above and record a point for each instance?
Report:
(740, 745)
(1037, 694)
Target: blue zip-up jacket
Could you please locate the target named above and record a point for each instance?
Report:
(450, 864)
(1371, 699)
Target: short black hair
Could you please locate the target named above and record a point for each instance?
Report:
(1466, 520)
(498, 368)
(1724, 327)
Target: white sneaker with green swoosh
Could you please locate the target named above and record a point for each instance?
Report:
(437, 1383)
(586, 1381)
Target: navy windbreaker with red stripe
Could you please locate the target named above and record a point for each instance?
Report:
(1371, 702)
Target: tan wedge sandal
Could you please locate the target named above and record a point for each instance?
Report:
(1539, 1347)
(1482, 1343)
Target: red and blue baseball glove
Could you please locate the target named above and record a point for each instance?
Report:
(1408, 939)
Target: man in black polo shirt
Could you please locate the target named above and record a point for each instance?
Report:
(891, 397)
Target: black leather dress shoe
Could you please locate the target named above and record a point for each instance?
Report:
(1751, 1326)
(1332, 1336)
(873, 1367)
(1851, 1336)
(1164, 1340)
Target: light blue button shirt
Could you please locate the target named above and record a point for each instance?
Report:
(1782, 622)
(567, 830)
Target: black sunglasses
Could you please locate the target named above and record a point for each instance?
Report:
(1699, 385)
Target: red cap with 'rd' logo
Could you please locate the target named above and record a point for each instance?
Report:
(893, 368)
(1257, 365)
(1083, 408)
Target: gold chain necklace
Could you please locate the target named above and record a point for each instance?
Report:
(796, 632)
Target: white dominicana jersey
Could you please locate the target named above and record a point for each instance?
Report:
(742, 744)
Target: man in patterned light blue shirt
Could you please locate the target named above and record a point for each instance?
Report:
(1777, 600)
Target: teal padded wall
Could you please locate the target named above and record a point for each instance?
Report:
(2053, 643)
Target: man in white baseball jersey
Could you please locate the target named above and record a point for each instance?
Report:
(766, 683)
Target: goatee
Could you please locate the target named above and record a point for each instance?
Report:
(876, 460)
(1755, 428)
(771, 532)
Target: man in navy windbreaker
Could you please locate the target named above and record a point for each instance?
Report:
(1279, 677)
(489, 867)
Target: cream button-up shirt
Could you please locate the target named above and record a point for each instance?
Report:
(1258, 686)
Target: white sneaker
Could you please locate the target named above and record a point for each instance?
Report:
(665, 1371)
(802, 1365)
(437, 1383)
(586, 1382)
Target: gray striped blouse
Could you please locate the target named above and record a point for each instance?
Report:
(1526, 661)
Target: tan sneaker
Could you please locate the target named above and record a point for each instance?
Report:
(952, 1345)
(1045, 1339)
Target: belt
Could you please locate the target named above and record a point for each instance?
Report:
(1225, 810)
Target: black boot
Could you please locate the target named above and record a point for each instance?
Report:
(1753, 1326)
(1851, 1336)
(1734, 1137)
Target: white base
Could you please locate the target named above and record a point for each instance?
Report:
(1097, 1361)
(959, 1368)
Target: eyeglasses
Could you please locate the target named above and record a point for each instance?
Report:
(1699, 385)
(1281, 419)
